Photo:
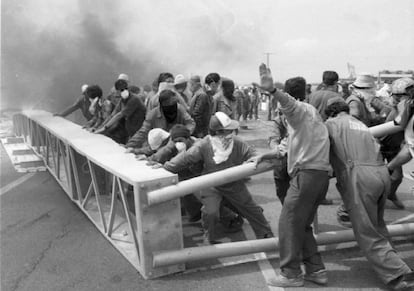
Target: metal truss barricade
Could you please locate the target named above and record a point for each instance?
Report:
(137, 208)
(109, 186)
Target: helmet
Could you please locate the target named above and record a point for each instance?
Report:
(399, 86)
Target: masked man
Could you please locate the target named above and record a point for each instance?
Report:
(82, 103)
(164, 116)
(127, 116)
(218, 151)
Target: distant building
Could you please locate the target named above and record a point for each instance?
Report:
(390, 76)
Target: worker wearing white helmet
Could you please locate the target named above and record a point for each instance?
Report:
(391, 144)
(123, 77)
(399, 89)
(404, 87)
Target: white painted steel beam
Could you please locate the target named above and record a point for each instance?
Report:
(167, 258)
(385, 129)
(235, 173)
(206, 181)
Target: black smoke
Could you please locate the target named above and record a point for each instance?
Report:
(45, 69)
(51, 47)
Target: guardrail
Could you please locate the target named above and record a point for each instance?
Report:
(136, 207)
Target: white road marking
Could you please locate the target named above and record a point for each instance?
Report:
(15, 183)
(408, 176)
(404, 219)
(262, 261)
(267, 270)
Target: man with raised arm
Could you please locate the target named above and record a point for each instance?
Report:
(308, 166)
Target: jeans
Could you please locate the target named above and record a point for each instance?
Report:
(296, 241)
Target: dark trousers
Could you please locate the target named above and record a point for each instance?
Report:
(296, 241)
(191, 205)
(282, 179)
(254, 108)
(397, 174)
(240, 197)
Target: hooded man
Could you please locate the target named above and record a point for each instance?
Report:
(165, 81)
(165, 116)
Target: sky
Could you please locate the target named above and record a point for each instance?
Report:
(49, 48)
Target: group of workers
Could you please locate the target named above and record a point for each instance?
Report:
(190, 128)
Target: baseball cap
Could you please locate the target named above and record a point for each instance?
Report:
(220, 120)
(156, 136)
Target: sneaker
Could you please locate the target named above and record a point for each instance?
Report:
(343, 218)
(397, 202)
(326, 202)
(209, 241)
(234, 225)
(319, 277)
(403, 283)
(282, 281)
(195, 218)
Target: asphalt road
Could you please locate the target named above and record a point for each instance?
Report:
(47, 243)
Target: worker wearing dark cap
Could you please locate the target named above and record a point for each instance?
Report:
(165, 116)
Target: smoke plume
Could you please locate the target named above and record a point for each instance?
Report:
(51, 47)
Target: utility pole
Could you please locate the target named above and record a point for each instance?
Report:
(268, 57)
(269, 101)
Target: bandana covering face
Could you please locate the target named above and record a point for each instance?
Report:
(222, 147)
(92, 107)
(170, 112)
(180, 146)
(124, 94)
